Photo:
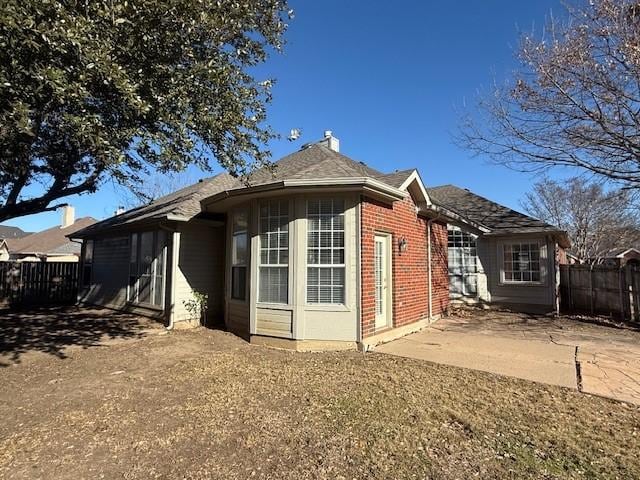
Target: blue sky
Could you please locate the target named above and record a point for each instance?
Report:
(389, 79)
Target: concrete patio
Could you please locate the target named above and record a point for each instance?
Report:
(595, 359)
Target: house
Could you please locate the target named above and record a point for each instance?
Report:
(499, 256)
(8, 232)
(51, 245)
(320, 251)
(620, 257)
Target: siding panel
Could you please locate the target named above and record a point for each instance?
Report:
(200, 269)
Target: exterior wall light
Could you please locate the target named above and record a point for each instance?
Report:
(402, 245)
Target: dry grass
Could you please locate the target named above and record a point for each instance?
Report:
(204, 404)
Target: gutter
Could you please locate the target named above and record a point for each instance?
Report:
(368, 184)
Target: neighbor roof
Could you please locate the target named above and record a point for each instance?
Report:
(7, 231)
(52, 240)
(495, 217)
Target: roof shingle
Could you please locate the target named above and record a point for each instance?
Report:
(477, 209)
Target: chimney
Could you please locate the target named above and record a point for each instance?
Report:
(68, 216)
(330, 141)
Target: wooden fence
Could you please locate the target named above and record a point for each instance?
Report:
(29, 283)
(601, 290)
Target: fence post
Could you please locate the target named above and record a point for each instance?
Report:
(621, 285)
(593, 290)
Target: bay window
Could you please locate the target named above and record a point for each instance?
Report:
(325, 252)
(147, 254)
(273, 283)
(239, 255)
(521, 262)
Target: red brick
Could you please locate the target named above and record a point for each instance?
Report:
(410, 290)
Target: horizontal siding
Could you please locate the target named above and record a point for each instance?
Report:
(110, 273)
(521, 294)
(238, 318)
(274, 322)
(200, 269)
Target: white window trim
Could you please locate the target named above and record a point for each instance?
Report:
(515, 283)
(287, 303)
(318, 306)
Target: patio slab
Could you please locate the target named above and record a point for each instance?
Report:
(598, 360)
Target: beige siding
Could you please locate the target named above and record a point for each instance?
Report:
(276, 322)
(110, 273)
(200, 269)
(540, 295)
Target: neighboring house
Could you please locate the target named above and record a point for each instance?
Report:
(51, 245)
(620, 257)
(499, 256)
(318, 251)
(7, 232)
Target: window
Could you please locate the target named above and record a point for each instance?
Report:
(325, 251)
(521, 263)
(274, 252)
(87, 262)
(239, 256)
(147, 253)
(462, 255)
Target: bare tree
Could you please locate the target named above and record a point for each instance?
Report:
(597, 220)
(152, 187)
(574, 101)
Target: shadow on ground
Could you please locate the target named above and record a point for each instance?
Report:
(51, 330)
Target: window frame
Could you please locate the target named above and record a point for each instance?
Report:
(278, 232)
(468, 241)
(326, 266)
(237, 266)
(540, 244)
(158, 252)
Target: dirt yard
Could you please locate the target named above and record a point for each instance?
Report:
(205, 404)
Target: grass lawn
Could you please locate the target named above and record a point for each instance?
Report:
(204, 404)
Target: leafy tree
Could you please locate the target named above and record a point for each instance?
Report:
(574, 100)
(91, 89)
(596, 220)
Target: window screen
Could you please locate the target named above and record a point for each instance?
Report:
(521, 262)
(325, 251)
(147, 254)
(462, 253)
(239, 256)
(274, 252)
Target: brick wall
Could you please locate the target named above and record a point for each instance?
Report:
(409, 269)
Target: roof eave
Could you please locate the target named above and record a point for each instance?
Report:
(367, 185)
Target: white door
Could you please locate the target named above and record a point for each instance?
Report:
(382, 281)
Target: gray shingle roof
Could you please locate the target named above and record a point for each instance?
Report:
(183, 203)
(477, 209)
(315, 161)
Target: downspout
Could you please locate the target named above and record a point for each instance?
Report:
(429, 222)
(359, 271)
(429, 272)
